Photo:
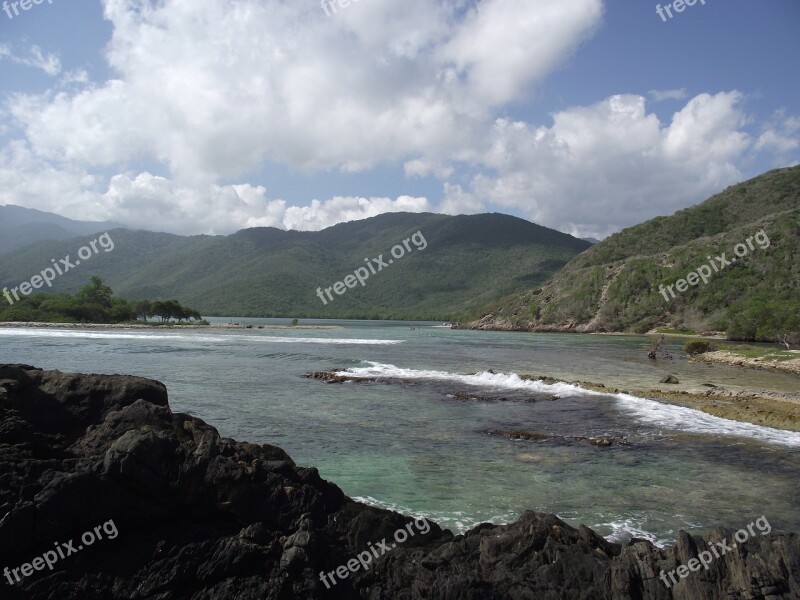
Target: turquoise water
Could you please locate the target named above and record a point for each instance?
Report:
(401, 440)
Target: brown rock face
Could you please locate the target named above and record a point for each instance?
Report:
(204, 517)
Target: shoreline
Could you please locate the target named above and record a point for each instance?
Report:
(731, 358)
(768, 408)
(153, 326)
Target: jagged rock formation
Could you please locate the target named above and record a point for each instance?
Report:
(204, 517)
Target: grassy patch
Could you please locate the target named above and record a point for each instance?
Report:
(758, 352)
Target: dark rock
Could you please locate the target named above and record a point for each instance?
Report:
(204, 517)
(670, 379)
(332, 377)
(601, 442)
(527, 436)
(532, 436)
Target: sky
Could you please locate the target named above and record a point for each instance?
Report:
(210, 116)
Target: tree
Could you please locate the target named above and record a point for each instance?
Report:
(144, 309)
(96, 293)
(784, 339)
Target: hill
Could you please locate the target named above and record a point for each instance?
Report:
(465, 263)
(21, 227)
(615, 285)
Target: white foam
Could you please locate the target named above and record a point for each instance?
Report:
(496, 381)
(680, 418)
(622, 531)
(457, 521)
(340, 341)
(649, 412)
(185, 337)
(100, 335)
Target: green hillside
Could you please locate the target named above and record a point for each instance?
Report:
(469, 262)
(21, 227)
(614, 286)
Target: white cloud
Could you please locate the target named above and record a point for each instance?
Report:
(504, 45)
(157, 203)
(611, 164)
(781, 135)
(214, 89)
(320, 215)
(661, 95)
(34, 59)
(204, 92)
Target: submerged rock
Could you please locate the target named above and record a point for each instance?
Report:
(205, 517)
(333, 376)
(533, 436)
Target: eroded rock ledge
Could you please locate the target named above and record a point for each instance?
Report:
(205, 517)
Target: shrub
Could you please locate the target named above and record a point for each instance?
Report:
(697, 347)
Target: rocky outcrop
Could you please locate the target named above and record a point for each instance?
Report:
(520, 435)
(200, 516)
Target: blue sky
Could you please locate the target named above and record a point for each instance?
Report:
(211, 116)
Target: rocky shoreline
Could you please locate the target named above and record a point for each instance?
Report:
(780, 410)
(729, 358)
(205, 517)
(769, 408)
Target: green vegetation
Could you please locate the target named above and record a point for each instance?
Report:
(614, 286)
(698, 347)
(470, 261)
(760, 352)
(95, 303)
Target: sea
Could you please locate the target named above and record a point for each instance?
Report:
(420, 432)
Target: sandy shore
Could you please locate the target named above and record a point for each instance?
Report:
(153, 326)
(729, 358)
(769, 408)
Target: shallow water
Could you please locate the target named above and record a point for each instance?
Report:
(403, 441)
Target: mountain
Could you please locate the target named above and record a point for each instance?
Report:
(615, 285)
(452, 267)
(20, 227)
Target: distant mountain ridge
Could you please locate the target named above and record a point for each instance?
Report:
(469, 262)
(614, 286)
(21, 226)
